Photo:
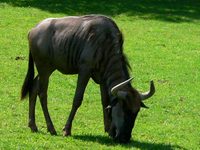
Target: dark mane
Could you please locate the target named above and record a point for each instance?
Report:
(126, 65)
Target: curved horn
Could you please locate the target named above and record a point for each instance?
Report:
(119, 86)
(148, 94)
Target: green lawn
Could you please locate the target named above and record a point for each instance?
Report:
(162, 42)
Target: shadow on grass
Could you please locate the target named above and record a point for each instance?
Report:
(133, 144)
(164, 10)
(105, 140)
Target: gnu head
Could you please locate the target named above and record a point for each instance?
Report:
(124, 109)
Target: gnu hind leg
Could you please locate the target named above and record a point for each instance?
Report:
(43, 86)
(32, 101)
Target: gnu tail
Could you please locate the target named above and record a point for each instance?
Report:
(28, 81)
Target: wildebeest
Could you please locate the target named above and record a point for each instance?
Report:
(92, 47)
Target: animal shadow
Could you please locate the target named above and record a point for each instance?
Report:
(104, 140)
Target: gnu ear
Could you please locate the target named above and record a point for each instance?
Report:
(122, 95)
(143, 105)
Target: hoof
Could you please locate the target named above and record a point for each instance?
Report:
(33, 128)
(52, 131)
(106, 129)
(66, 133)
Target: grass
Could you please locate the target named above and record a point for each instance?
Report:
(162, 43)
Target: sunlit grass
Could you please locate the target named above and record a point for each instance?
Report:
(167, 52)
